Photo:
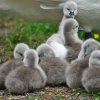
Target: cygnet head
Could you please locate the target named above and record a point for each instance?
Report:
(19, 50)
(70, 25)
(70, 9)
(88, 47)
(94, 59)
(44, 50)
(31, 58)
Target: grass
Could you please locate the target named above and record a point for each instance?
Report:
(96, 95)
(20, 30)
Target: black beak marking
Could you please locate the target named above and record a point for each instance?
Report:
(19, 53)
(71, 13)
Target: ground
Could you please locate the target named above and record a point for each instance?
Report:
(14, 30)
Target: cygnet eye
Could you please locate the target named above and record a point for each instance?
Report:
(41, 55)
(21, 54)
(16, 51)
(87, 46)
(77, 26)
(68, 9)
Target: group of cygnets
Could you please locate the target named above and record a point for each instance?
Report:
(62, 59)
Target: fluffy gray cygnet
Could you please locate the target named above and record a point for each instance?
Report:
(6, 67)
(54, 67)
(91, 76)
(77, 67)
(27, 77)
(70, 47)
(72, 42)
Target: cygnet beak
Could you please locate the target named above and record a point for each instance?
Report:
(39, 60)
(71, 14)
